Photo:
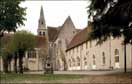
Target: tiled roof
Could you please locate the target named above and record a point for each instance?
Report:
(40, 40)
(53, 33)
(79, 38)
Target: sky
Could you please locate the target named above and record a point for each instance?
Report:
(55, 13)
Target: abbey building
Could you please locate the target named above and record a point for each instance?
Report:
(68, 48)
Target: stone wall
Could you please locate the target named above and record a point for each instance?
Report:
(86, 51)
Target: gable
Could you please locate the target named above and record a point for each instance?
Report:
(67, 30)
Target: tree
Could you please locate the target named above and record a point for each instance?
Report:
(6, 52)
(22, 41)
(111, 18)
(11, 15)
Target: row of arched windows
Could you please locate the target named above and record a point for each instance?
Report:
(116, 53)
(72, 62)
(42, 33)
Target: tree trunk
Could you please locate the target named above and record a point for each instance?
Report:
(21, 53)
(15, 64)
(125, 58)
(5, 63)
(9, 65)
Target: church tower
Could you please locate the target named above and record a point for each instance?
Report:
(42, 31)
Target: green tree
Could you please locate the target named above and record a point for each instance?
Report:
(23, 41)
(7, 52)
(11, 15)
(111, 18)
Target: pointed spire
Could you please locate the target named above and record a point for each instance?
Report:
(41, 12)
(42, 19)
(68, 19)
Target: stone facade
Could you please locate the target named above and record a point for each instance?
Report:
(86, 55)
(65, 35)
(68, 48)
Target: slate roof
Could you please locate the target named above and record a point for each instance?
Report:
(53, 33)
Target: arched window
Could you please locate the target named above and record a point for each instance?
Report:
(85, 61)
(116, 55)
(73, 60)
(103, 58)
(78, 61)
(43, 33)
(42, 22)
(94, 63)
(69, 62)
(40, 33)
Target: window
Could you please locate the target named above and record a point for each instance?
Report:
(78, 61)
(40, 33)
(48, 65)
(85, 61)
(103, 57)
(43, 33)
(29, 54)
(73, 60)
(116, 55)
(94, 63)
(87, 53)
(69, 62)
(73, 32)
(32, 54)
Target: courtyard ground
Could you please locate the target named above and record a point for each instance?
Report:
(124, 78)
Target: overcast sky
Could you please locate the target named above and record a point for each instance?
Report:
(55, 13)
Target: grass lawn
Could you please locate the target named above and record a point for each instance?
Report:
(124, 78)
(13, 77)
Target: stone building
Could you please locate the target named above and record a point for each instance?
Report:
(51, 45)
(83, 54)
(68, 48)
(66, 32)
(50, 41)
